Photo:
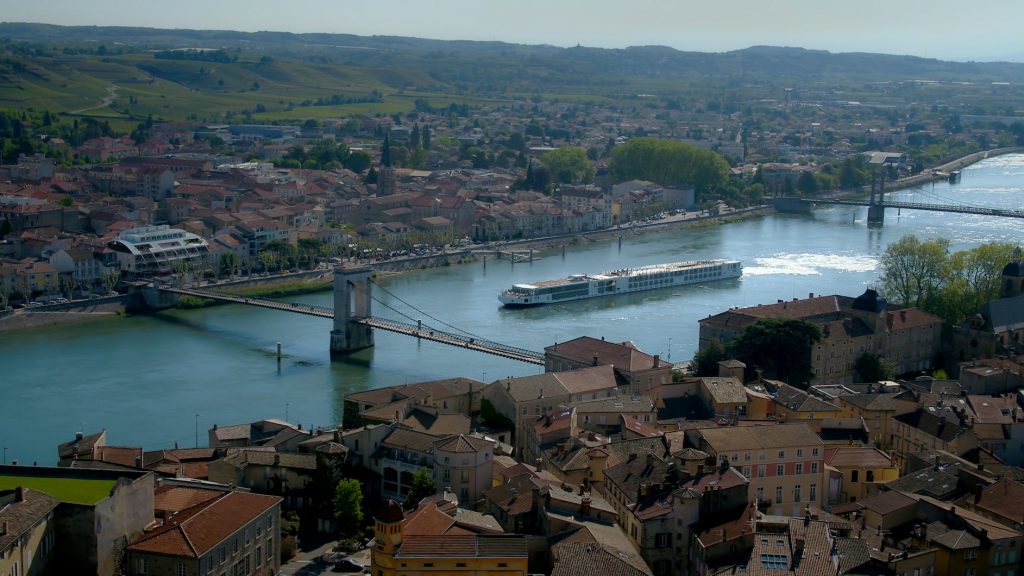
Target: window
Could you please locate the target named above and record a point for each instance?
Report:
(780, 470)
(663, 540)
(760, 494)
(799, 452)
(246, 536)
(854, 475)
(799, 467)
(778, 495)
(259, 556)
(465, 476)
(760, 470)
(746, 456)
(270, 522)
(179, 570)
(814, 467)
(970, 572)
(143, 566)
(746, 471)
(270, 549)
(782, 454)
(812, 492)
(460, 564)
(971, 554)
(223, 554)
(447, 474)
(234, 545)
(774, 561)
(870, 475)
(796, 493)
(761, 456)
(814, 451)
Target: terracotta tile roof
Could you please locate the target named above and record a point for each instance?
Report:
(20, 510)
(888, 502)
(463, 546)
(123, 455)
(730, 439)
(178, 498)
(195, 531)
(624, 356)
(409, 440)
(463, 444)
(85, 445)
(883, 402)
(589, 558)
(427, 520)
(857, 457)
(1005, 499)
(727, 390)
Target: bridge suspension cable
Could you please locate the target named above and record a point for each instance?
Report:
(419, 311)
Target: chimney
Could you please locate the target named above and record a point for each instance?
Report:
(581, 489)
(595, 360)
(277, 459)
(508, 386)
(19, 494)
(79, 435)
(3, 528)
(138, 462)
(657, 361)
(585, 506)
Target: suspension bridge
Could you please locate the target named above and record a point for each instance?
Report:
(354, 322)
(877, 204)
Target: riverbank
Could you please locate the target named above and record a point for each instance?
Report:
(27, 318)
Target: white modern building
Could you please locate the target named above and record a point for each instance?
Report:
(154, 250)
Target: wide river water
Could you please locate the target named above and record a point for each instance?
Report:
(154, 380)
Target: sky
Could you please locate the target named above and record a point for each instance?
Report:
(978, 30)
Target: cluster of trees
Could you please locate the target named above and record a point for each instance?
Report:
(569, 165)
(779, 348)
(669, 163)
(195, 54)
(325, 155)
(924, 274)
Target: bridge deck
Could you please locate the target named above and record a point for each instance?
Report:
(921, 206)
(424, 332)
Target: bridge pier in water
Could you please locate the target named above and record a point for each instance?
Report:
(352, 301)
(876, 207)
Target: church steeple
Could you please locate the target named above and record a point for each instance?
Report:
(385, 153)
(386, 175)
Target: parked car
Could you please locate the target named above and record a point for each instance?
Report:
(347, 565)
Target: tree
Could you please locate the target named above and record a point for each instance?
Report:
(569, 165)
(357, 161)
(669, 163)
(780, 347)
(872, 367)
(806, 183)
(422, 486)
(705, 361)
(912, 271)
(348, 505)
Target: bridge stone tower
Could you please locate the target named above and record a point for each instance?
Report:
(876, 209)
(352, 301)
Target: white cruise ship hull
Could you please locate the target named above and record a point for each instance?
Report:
(624, 281)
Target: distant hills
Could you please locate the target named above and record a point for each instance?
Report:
(70, 67)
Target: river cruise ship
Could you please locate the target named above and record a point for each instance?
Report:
(623, 281)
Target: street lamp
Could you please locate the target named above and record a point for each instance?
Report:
(197, 430)
(669, 349)
(5, 455)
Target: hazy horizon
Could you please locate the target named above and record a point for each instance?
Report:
(928, 29)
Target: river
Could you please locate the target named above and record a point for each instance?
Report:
(155, 380)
